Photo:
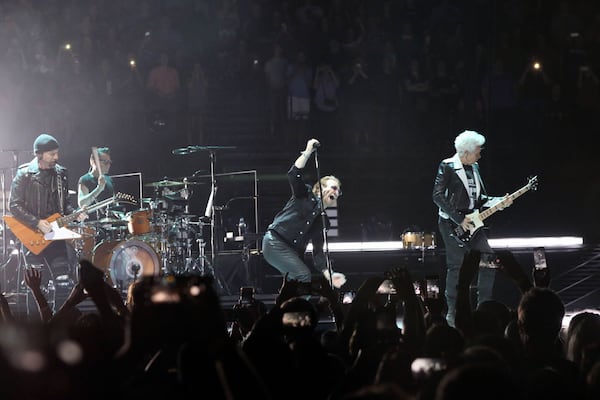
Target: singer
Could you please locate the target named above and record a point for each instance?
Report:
(300, 222)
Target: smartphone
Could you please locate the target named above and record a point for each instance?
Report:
(425, 367)
(432, 287)
(417, 287)
(162, 295)
(539, 258)
(246, 295)
(296, 319)
(347, 297)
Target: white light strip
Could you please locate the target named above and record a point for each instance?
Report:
(549, 242)
(509, 243)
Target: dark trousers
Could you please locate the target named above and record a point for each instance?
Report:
(284, 258)
(455, 253)
(58, 265)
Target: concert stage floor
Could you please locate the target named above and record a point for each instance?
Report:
(575, 272)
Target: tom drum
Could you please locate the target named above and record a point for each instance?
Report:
(138, 222)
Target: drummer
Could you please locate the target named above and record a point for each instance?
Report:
(96, 185)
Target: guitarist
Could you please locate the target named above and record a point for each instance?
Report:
(39, 190)
(457, 191)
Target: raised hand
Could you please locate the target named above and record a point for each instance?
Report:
(33, 278)
(508, 264)
(402, 281)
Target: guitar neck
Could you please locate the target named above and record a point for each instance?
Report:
(67, 219)
(484, 214)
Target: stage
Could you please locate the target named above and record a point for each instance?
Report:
(574, 265)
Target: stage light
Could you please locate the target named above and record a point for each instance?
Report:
(504, 243)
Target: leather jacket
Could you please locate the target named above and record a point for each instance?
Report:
(450, 190)
(28, 191)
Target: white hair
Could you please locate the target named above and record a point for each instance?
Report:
(468, 141)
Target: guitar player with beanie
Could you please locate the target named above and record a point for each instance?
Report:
(458, 191)
(39, 190)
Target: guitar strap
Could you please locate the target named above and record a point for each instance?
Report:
(476, 167)
(59, 185)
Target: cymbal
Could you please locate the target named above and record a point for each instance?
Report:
(194, 149)
(109, 221)
(164, 183)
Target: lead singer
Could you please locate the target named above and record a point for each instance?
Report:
(300, 222)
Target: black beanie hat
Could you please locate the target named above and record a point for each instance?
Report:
(44, 143)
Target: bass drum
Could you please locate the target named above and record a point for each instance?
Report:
(126, 261)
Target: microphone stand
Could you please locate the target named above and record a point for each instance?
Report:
(323, 221)
(213, 228)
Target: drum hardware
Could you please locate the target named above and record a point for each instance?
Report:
(210, 211)
(109, 222)
(164, 183)
(419, 241)
(194, 149)
(84, 246)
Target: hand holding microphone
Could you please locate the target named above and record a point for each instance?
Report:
(312, 145)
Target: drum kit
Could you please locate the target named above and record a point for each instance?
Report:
(162, 237)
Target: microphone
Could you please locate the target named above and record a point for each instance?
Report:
(316, 145)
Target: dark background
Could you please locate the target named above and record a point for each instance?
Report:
(386, 140)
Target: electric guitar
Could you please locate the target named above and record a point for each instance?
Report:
(463, 236)
(36, 241)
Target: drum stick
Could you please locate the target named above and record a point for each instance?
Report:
(97, 161)
(209, 204)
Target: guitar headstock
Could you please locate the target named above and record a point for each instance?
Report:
(532, 182)
(125, 197)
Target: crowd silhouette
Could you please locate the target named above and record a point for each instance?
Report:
(172, 336)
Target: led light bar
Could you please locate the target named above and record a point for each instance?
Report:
(507, 243)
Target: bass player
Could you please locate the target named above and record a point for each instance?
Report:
(458, 190)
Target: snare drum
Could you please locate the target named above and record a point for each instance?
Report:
(84, 245)
(138, 222)
(412, 240)
(126, 261)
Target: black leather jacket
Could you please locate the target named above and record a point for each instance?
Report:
(300, 220)
(450, 193)
(27, 191)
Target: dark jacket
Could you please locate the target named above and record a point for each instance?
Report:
(27, 191)
(300, 220)
(450, 190)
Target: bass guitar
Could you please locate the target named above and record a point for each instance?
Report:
(36, 241)
(464, 236)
